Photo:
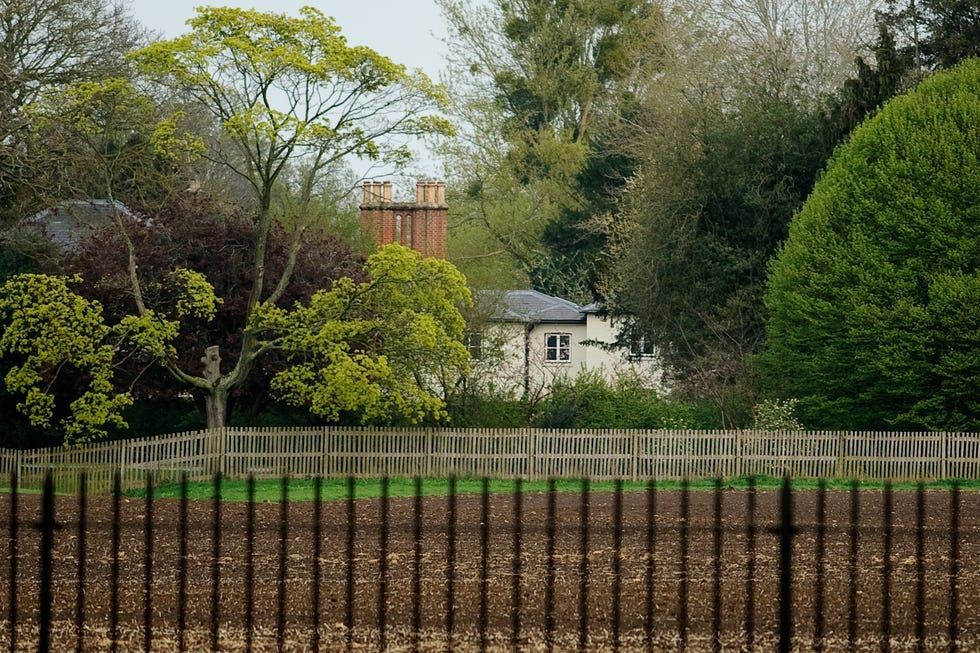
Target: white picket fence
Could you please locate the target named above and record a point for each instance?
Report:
(502, 453)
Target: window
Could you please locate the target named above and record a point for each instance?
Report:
(641, 347)
(558, 347)
(474, 344)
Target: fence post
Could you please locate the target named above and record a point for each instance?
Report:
(944, 467)
(429, 452)
(123, 460)
(738, 453)
(635, 458)
(532, 454)
(841, 444)
(323, 452)
(224, 451)
(217, 456)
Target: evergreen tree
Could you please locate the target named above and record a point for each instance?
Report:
(874, 299)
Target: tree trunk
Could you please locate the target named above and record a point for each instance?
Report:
(216, 401)
(215, 406)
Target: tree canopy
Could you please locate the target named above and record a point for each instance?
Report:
(936, 33)
(47, 45)
(535, 84)
(387, 349)
(51, 338)
(185, 233)
(873, 298)
(290, 94)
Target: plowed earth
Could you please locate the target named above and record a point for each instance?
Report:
(384, 569)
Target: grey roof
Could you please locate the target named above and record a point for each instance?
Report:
(71, 221)
(533, 306)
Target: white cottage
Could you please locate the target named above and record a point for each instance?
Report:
(520, 341)
(526, 340)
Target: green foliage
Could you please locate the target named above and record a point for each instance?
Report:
(874, 83)
(196, 296)
(112, 141)
(537, 83)
(52, 334)
(381, 348)
(45, 45)
(872, 298)
(591, 402)
(699, 224)
(14, 260)
(148, 417)
(940, 33)
(293, 99)
(487, 409)
(336, 99)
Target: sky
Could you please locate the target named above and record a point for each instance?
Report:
(408, 32)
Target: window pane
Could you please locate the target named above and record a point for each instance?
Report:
(558, 347)
(474, 344)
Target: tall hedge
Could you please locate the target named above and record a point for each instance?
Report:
(874, 298)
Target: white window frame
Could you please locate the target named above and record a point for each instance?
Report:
(641, 348)
(558, 347)
(473, 340)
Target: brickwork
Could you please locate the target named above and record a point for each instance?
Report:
(420, 225)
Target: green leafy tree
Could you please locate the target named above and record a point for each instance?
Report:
(112, 142)
(873, 297)
(46, 45)
(704, 217)
(290, 95)
(386, 349)
(185, 233)
(936, 33)
(876, 80)
(55, 344)
(536, 82)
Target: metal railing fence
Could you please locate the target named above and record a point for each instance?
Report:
(577, 570)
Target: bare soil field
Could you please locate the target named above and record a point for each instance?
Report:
(389, 555)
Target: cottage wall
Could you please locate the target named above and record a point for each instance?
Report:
(514, 356)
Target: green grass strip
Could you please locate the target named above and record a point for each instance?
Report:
(301, 489)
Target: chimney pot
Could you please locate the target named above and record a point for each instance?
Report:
(387, 191)
(419, 192)
(441, 192)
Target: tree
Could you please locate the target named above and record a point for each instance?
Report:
(728, 137)
(287, 91)
(791, 49)
(53, 340)
(874, 83)
(936, 34)
(703, 218)
(111, 141)
(535, 81)
(49, 44)
(386, 349)
(185, 233)
(873, 297)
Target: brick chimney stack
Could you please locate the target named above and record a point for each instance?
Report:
(420, 225)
